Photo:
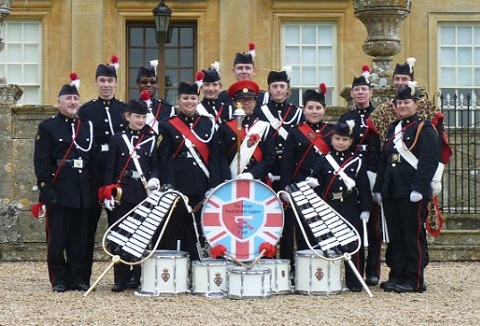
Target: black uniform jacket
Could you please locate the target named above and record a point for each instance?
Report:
(95, 111)
(178, 166)
(332, 183)
(133, 190)
(366, 142)
(72, 186)
(166, 109)
(228, 149)
(396, 177)
(219, 110)
(289, 115)
(299, 155)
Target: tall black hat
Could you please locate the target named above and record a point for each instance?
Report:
(360, 81)
(210, 76)
(145, 72)
(68, 90)
(344, 129)
(106, 71)
(312, 95)
(136, 106)
(403, 69)
(407, 92)
(278, 76)
(187, 88)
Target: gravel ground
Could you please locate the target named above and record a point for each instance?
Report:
(452, 298)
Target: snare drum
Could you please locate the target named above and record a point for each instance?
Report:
(165, 273)
(280, 268)
(315, 275)
(210, 276)
(246, 283)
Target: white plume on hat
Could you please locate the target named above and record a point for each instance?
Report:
(114, 60)
(216, 66)
(351, 125)
(287, 69)
(411, 63)
(413, 86)
(154, 64)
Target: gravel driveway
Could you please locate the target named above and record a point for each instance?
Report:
(452, 298)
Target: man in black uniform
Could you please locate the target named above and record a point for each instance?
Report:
(63, 160)
(211, 105)
(281, 115)
(158, 109)
(408, 162)
(106, 114)
(366, 143)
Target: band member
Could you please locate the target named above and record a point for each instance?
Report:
(345, 187)
(158, 109)
(281, 115)
(257, 149)
(188, 154)
(210, 85)
(131, 161)
(64, 159)
(366, 143)
(106, 115)
(244, 68)
(408, 163)
(304, 145)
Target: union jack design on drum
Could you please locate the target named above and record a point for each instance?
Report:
(241, 215)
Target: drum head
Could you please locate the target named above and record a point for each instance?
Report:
(241, 215)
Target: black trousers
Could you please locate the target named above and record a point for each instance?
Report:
(374, 251)
(93, 218)
(66, 230)
(407, 253)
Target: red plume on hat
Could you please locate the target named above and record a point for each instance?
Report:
(366, 72)
(323, 88)
(74, 81)
(199, 76)
(251, 49)
(114, 60)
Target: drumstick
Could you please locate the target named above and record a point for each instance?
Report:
(115, 260)
(365, 234)
(386, 237)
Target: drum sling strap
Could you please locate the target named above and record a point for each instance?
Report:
(192, 143)
(134, 157)
(274, 122)
(339, 171)
(246, 151)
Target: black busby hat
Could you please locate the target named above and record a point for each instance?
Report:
(244, 88)
(210, 76)
(407, 92)
(344, 128)
(278, 76)
(405, 69)
(145, 72)
(245, 58)
(187, 88)
(68, 90)
(360, 81)
(106, 71)
(311, 95)
(136, 106)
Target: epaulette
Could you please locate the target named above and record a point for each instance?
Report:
(48, 119)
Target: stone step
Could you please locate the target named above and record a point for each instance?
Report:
(461, 222)
(456, 238)
(454, 253)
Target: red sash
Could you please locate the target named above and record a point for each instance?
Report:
(314, 138)
(187, 133)
(257, 153)
(219, 113)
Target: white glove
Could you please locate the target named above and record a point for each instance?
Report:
(377, 198)
(312, 182)
(246, 176)
(285, 197)
(109, 203)
(436, 188)
(208, 193)
(415, 196)
(372, 176)
(365, 215)
(153, 184)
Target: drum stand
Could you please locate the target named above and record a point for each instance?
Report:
(347, 256)
(117, 259)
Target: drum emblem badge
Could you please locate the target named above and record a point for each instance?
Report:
(165, 275)
(319, 274)
(218, 280)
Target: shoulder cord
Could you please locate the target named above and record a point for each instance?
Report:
(59, 167)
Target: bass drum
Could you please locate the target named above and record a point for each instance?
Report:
(241, 215)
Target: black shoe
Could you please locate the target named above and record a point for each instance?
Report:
(388, 286)
(59, 288)
(133, 283)
(80, 287)
(372, 280)
(404, 288)
(119, 287)
(355, 289)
